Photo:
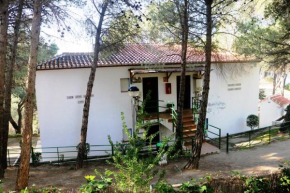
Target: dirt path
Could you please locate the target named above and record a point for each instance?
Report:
(264, 159)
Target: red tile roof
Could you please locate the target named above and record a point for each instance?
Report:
(280, 100)
(136, 55)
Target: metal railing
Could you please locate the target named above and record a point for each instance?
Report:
(158, 106)
(65, 154)
(218, 134)
(260, 136)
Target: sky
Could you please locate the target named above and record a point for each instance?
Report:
(76, 40)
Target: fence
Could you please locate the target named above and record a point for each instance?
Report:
(66, 154)
(252, 138)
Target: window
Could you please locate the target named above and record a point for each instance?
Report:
(125, 83)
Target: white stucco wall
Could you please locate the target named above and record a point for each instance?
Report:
(60, 117)
(269, 112)
(228, 109)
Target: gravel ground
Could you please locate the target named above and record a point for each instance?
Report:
(259, 160)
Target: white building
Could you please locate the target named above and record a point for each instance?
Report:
(271, 109)
(61, 85)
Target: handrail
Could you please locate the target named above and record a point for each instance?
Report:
(214, 126)
(217, 134)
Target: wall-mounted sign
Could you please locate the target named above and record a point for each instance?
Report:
(168, 88)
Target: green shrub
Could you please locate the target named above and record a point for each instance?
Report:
(252, 121)
(163, 187)
(135, 160)
(93, 185)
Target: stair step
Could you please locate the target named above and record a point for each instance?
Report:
(185, 131)
(187, 119)
(189, 124)
(188, 135)
(188, 138)
(184, 120)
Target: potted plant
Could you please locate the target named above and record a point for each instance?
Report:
(169, 107)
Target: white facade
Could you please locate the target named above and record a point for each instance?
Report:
(60, 96)
(269, 112)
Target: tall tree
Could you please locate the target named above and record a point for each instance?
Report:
(268, 40)
(3, 52)
(9, 79)
(82, 146)
(184, 40)
(23, 171)
(170, 25)
(199, 135)
(110, 36)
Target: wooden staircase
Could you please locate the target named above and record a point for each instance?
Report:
(189, 126)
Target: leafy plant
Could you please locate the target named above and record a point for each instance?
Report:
(163, 187)
(169, 106)
(252, 121)
(93, 185)
(136, 159)
(197, 186)
(257, 184)
(36, 157)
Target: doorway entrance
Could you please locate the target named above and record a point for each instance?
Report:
(150, 85)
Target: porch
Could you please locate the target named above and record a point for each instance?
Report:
(165, 115)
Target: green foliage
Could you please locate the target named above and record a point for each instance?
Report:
(267, 40)
(1, 191)
(201, 185)
(36, 157)
(33, 189)
(136, 160)
(252, 121)
(136, 163)
(93, 185)
(163, 187)
(257, 184)
(262, 94)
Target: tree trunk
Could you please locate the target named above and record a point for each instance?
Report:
(15, 126)
(3, 52)
(23, 171)
(83, 139)
(284, 79)
(180, 105)
(274, 83)
(9, 79)
(193, 162)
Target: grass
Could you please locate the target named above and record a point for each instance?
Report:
(264, 138)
